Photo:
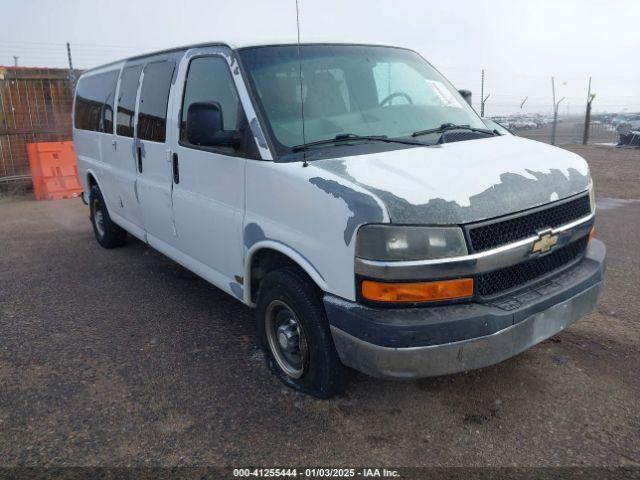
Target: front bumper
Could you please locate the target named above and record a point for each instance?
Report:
(440, 340)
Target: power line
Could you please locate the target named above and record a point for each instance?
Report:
(46, 44)
(62, 49)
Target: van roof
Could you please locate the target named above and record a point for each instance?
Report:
(231, 45)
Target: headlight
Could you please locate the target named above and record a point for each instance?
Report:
(592, 197)
(397, 243)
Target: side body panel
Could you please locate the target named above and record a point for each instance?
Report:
(209, 198)
(314, 213)
(208, 209)
(125, 172)
(109, 169)
(154, 184)
(87, 146)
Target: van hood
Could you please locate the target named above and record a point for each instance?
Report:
(463, 182)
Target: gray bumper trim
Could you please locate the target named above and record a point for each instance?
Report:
(414, 362)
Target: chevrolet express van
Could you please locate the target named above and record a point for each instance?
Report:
(350, 195)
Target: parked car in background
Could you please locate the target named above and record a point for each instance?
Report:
(629, 131)
(633, 122)
(496, 126)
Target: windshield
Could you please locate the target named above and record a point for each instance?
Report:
(350, 90)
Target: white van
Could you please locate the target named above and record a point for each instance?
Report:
(351, 195)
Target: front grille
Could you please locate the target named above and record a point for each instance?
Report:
(489, 284)
(486, 236)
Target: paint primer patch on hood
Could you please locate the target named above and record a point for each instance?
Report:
(465, 182)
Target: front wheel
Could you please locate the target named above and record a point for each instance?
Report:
(294, 334)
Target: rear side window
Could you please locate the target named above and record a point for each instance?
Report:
(154, 97)
(127, 100)
(95, 99)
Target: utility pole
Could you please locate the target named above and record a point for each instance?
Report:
(484, 100)
(587, 116)
(482, 95)
(72, 75)
(555, 111)
(15, 60)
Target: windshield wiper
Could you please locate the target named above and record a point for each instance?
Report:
(346, 137)
(451, 126)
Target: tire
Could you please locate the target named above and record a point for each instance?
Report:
(287, 292)
(108, 234)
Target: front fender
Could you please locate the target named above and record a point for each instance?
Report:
(291, 253)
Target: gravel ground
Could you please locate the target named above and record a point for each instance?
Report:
(616, 171)
(123, 357)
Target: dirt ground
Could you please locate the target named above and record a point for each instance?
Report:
(122, 357)
(616, 171)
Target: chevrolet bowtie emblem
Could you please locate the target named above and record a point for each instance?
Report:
(544, 243)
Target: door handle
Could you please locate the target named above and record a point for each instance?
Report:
(139, 151)
(176, 170)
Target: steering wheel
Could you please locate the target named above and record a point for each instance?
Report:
(395, 95)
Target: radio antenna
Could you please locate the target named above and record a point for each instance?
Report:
(304, 140)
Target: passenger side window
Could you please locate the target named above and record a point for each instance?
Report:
(154, 97)
(400, 78)
(127, 100)
(209, 80)
(95, 98)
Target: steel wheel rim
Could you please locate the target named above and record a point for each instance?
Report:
(98, 217)
(286, 338)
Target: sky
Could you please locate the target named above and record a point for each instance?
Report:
(520, 44)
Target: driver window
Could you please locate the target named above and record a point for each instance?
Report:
(209, 80)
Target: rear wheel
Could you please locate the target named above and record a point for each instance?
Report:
(294, 334)
(108, 234)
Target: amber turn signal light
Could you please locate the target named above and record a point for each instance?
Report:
(417, 292)
(591, 232)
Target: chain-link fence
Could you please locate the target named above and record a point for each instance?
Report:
(524, 102)
(569, 131)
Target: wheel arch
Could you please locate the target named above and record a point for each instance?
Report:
(92, 179)
(278, 255)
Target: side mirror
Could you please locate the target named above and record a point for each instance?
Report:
(204, 126)
(466, 94)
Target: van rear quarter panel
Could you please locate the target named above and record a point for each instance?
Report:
(87, 145)
(311, 211)
(92, 150)
(96, 158)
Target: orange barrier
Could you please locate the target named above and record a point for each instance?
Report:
(54, 170)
